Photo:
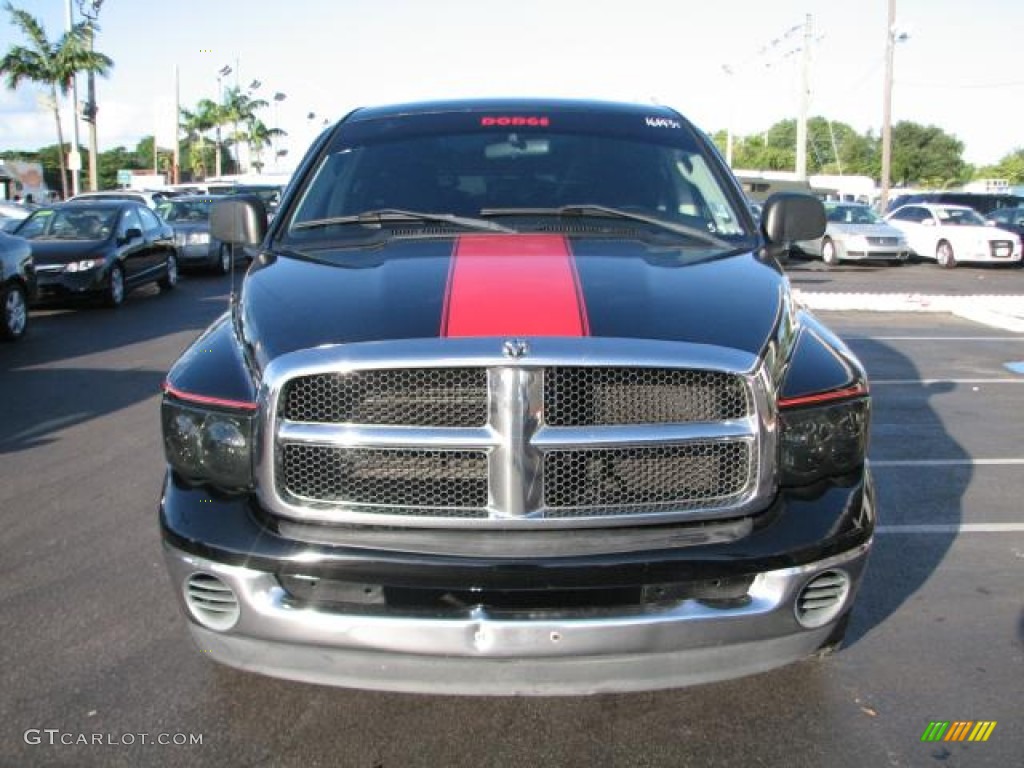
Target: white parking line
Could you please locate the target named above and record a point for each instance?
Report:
(1004, 380)
(946, 462)
(953, 528)
(933, 338)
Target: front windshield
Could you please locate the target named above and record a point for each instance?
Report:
(517, 177)
(962, 217)
(180, 211)
(75, 222)
(852, 214)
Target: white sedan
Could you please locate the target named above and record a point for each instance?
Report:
(951, 234)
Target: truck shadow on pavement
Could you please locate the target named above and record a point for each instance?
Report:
(80, 363)
(906, 427)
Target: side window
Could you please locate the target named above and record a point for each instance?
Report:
(150, 223)
(918, 214)
(129, 220)
(1000, 217)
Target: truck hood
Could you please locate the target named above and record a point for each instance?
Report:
(510, 286)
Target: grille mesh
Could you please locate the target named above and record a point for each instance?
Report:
(400, 479)
(685, 475)
(427, 397)
(584, 397)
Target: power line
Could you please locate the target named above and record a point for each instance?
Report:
(963, 86)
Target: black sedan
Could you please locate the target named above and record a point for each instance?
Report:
(99, 250)
(189, 216)
(17, 286)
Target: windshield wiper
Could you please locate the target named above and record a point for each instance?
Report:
(384, 215)
(616, 213)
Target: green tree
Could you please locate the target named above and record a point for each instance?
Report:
(1010, 167)
(258, 137)
(836, 148)
(196, 124)
(240, 109)
(52, 64)
(110, 162)
(925, 155)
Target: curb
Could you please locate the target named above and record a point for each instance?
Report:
(997, 311)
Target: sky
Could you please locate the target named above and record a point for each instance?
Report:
(959, 68)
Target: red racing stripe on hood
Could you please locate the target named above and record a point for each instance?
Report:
(513, 285)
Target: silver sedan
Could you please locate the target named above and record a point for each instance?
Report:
(855, 233)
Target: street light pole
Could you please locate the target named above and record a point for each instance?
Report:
(278, 98)
(732, 114)
(890, 45)
(221, 74)
(805, 99)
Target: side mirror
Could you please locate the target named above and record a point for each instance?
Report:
(132, 233)
(238, 220)
(790, 216)
(928, 223)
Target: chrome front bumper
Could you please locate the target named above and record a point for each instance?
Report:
(685, 643)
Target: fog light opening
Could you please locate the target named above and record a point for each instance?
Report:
(211, 602)
(822, 599)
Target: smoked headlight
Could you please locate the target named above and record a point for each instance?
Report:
(208, 444)
(820, 441)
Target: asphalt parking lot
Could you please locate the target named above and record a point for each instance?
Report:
(93, 645)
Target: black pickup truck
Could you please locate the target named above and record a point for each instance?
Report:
(515, 399)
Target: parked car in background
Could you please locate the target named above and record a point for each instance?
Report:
(269, 194)
(17, 286)
(1011, 219)
(954, 233)
(189, 217)
(982, 202)
(149, 199)
(99, 250)
(12, 214)
(855, 232)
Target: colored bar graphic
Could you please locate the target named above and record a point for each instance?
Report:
(982, 731)
(958, 730)
(935, 731)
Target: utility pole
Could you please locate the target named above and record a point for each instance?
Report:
(90, 10)
(74, 156)
(805, 101)
(890, 44)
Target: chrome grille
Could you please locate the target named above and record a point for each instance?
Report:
(426, 397)
(689, 475)
(403, 480)
(1001, 248)
(583, 397)
(883, 240)
(487, 441)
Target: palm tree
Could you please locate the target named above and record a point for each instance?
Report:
(258, 136)
(207, 115)
(53, 64)
(240, 107)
